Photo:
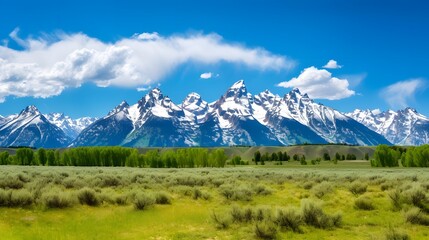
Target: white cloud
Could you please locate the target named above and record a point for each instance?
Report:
(319, 83)
(143, 89)
(398, 94)
(206, 75)
(48, 65)
(147, 36)
(332, 64)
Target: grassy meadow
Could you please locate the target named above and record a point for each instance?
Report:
(348, 200)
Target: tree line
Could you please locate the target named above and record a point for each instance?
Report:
(280, 156)
(117, 157)
(391, 156)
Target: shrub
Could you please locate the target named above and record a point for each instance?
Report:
(337, 219)
(308, 185)
(416, 216)
(12, 183)
(289, 219)
(110, 181)
(4, 197)
(121, 199)
(364, 203)
(162, 198)
(262, 190)
(20, 198)
(73, 183)
(88, 196)
(222, 222)
(226, 191)
(241, 193)
(415, 196)
(395, 197)
(386, 186)
(358, 188)
(143, 201)
(392, 234)
(196, 193)
(206, 196)
(322, 189)
(57, 200)
(265, 230)
(313, 215)
(236, 214)
(261, 214)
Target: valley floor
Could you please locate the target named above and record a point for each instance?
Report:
(193, 196)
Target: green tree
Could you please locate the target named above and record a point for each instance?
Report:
(384, 156)
(4, 157)
(337, 156)
(257, 157)
(236, 160)
(326, 156)
(50, 155)
(295, 157)
(25, 156)
(41, 155)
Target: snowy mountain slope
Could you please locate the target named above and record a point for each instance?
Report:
(287, 130)
(71, 127)
(232, 118)
(153, 121)
(110, 130)
(31, 128)
(237, 118)
(404, 127)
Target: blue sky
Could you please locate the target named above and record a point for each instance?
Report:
(381, 46)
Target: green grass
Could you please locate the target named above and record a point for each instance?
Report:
(187, 217)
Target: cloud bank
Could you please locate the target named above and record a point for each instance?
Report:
(319, 83)
(47, 65)
(399, 94)
(332, 64)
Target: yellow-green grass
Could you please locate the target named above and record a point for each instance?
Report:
(187, 218)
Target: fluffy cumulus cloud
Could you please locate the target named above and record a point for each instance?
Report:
(206, 75)
(319, 83)
(332, 64)
(46, 66)
(398, 94)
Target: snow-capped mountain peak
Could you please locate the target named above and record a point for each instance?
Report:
(196, 106)
(122, 107)
(30, 110)
(31, 128)
(235, 102)
(403, 127)
(71, 127)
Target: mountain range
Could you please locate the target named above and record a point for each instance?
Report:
(236, 118)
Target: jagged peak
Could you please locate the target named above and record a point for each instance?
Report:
(267, 92)
(156, 93)
(30, 110)
(193, 98)
(237, 90)
(296, 90)
(296, 95)
(238, 85)
(121, 107)
(409, 109)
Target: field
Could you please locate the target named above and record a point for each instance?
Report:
(348, 200)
